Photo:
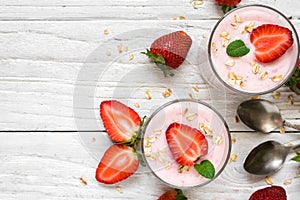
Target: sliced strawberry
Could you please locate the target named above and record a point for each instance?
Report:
(187, 144)
(174, 194)
(170, 50)
(269, 193)
(270, 42)
(118, 163)
(121, 122)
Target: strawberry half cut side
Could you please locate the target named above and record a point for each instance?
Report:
(269, 193)
(270, 42)
(121, 122)
(169, 51)
(118, 163)
(187, 144)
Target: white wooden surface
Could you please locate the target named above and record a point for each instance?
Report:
(45, 46)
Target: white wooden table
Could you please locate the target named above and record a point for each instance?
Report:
(55, 72)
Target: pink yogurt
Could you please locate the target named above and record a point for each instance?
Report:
(252, 83)
(195, 114)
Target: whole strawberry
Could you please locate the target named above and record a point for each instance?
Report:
(169, 51)
(294, 82)
(269, 193)
(174, 194)
(227, 5)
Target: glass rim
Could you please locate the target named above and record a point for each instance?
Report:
(228, 134)
(288, 75)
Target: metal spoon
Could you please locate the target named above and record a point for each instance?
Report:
(262, 115)
(267, 157)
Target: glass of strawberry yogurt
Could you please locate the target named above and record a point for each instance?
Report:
(158, 155)
(264, 60)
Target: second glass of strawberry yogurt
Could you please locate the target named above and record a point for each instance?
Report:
(267, 56)
(197, 115)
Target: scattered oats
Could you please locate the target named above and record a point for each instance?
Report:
(168, 165)
(276, 95)
(224, 42)
(269, 180)
(157, 131)
(291, 99)
(232, 75)
(215, 50)
(152, 157)
(287, 182)
(282, 130)
(205, 129)
(183, 168)
(147, 143)
(105, 31)
(256, 69)
(131, 56)
(161, 156)
(224, 34)
(185, 111)
(253, 63)
(108, 53)
(234, 25)
(277, 78)
(217, 139)
(231, 81)
(256, 97)
(175, 120)
(204, 35)
(242, 84)
(192, 116)
(233, 140)
(93, 139)
(230, 63)
(237, 19)
(182, 17)
(191, 96)
(248, 28)
(148, 152)
(148, 94)
(152, 139)
(126, 48)
(174, 18)
(196, 88)
(120, 48)
(263, 75)
(119, 189)
(237, 119)
(167, 93)
(137, 105)
(233, 157)
(213, 45)
(83, 181)
(197, 3)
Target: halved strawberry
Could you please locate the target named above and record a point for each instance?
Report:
(118, 163)
(170, 50)
(269, 193)
(121, 122)
(174, 194)
(187, 144)
(270, 42)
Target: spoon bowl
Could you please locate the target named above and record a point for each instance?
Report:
(262, 115)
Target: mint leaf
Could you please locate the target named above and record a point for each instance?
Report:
(296, 158)
(237, 48)
(205, 169)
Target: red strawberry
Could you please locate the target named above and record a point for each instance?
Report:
(121, 122)
(294, 82)
(228, 2)
(270, 42)
(170, 50)
(174, 194)
(187, 144)
(118, 163)
(269, 193)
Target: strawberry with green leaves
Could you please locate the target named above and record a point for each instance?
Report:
(121, 122)
(227, 5)
(118, 163)
(270, 41)
(174, 194)
(188, 145)
(269, 193)
(294, 82)
(169, 51)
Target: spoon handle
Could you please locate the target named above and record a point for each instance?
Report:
(294, 126)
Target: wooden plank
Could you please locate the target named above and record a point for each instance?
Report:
(132, 10)
(41, 61)
(49, 165)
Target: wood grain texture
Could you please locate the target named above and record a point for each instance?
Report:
(52, 165)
